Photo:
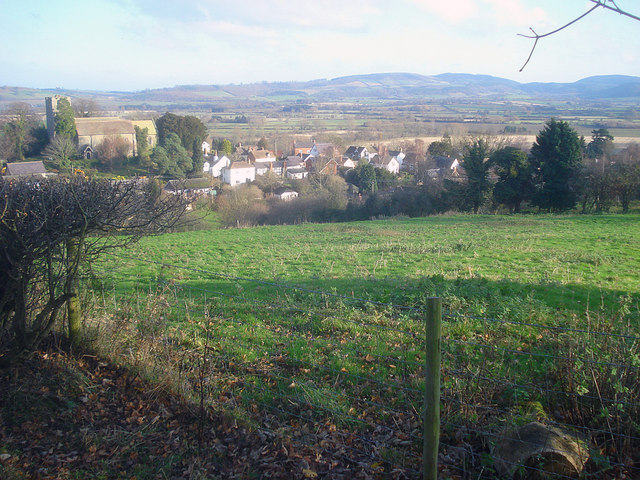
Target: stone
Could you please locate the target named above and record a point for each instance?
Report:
(537, 451)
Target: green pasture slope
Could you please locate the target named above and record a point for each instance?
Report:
(560, 263)
(539, 310)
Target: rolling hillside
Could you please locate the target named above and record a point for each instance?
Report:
(372, 86)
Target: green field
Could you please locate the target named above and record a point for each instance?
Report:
(563, 261)
(321, 327)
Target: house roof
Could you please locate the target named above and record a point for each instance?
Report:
(386, 160)
(223, 159)
(296, 170)
(281, 190)
(351, 150)
(323, 148)
(148, 124)
(187, 183)
(261, 154)
(267, 165)
(239, 165)
(25, 168)
(354, 150)
(293, 161)
(304, 144)
(103, 126)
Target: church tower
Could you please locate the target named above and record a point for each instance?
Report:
(51, 107)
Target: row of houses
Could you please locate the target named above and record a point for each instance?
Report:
(254, 162)
(316, 157)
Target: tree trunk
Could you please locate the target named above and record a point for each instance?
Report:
(73, 303)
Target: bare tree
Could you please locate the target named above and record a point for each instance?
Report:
(18, 131)
(86, 107)
(49, 229)
(113, 150)
(61, 151)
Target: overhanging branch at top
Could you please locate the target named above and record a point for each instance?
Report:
(607, 4)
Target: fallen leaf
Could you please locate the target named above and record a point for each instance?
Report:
(309, 473)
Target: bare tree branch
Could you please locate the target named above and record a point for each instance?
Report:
(615, 8)
(598, 3)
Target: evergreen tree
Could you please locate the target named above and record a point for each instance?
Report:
(557, 157)
(601, 144)
(178, 156)
(187, 128)
(364, 177)
(477, 167)
(161, 163)
(515, 182)
(65, 123)
(225, 148)
(263, 144)
(143, 145)
(442, 147)
(197, 157)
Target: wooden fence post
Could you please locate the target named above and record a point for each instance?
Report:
(432, 389)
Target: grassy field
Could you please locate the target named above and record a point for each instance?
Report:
(566, 262)
(320, 328)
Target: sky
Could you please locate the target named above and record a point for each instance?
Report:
(131, 45)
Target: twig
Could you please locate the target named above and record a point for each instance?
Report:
(598, 3)
(538, 37)
(615, 8)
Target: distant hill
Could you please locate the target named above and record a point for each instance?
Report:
(378, 85)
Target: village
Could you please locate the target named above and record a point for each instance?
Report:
(100, 140)
(247, 183)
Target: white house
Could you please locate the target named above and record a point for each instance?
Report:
(238, 173)
(399, 154)
(348, 163)
(188, 187)
(387, 162)
(206, 148)
(262, 168)
(215, 165)
(298, 173)
(293, 161)
(285, 193)
(356, 153)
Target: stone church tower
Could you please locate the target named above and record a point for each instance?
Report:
(51, 107)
